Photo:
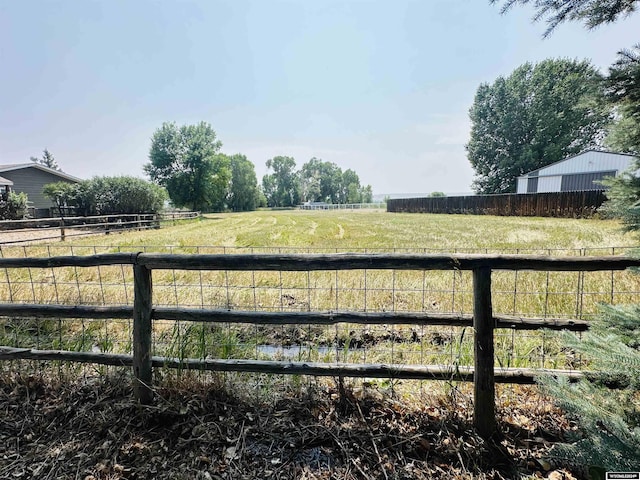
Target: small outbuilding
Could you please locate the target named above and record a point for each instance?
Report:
(580, 172)
(31, 178)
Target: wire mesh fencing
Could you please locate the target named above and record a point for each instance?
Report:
(570, 295)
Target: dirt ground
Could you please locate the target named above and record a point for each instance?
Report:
(20, 236)
(92, 429)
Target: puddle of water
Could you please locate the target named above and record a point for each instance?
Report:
(298, 351)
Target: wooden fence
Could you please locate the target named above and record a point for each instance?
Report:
(555, 204)
(484, 373)
(66, 227)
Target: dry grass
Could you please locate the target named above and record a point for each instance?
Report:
(572, 295)
(296, 427)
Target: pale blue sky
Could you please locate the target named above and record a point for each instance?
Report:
(382, 87)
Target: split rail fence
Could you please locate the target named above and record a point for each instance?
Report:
(484, 373)
(67, 227)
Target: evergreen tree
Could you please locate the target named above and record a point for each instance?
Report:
(47, 160)
(623, 90)
(592, 12)
(609, 418)
(609, 438)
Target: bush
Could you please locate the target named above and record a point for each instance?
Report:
(14, 207)
(108, 196)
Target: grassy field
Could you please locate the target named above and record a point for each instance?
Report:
(378, 230)
(519, 293)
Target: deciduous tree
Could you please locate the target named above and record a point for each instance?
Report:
(243, 190)
(536, 116)
(282, 187)
(185, 161)
(321, 181)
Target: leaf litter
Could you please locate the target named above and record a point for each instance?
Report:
(92, 429)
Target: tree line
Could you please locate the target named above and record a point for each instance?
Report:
(316, 181)
(186, 167)
(186, 161)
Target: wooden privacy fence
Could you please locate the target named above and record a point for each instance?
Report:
(484, 373)
(554, 204)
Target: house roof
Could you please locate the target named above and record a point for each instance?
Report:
(19, 166)
(574, 156)
(4, 181)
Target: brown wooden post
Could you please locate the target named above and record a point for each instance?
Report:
(62, 232)
(142, 306)
(484, 380)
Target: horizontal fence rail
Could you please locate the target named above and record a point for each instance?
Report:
(311, 262)
(63, 228)
(485, 373)
(289, 318)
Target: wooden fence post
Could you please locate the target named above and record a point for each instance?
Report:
(142, 306)
(62, 232)
(484, 416)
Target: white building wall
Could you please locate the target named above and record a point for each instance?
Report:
(588, 162)
(522, 185)
(550, 184)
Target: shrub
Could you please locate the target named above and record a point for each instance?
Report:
(14, 207)
(108, 196)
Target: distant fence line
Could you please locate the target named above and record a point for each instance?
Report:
(553, 204)
(91, 225)
(340, 206)
(143, 312)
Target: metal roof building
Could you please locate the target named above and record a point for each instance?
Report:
(578, 173)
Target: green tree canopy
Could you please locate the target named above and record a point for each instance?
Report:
(536, 116)
(185, 161)
(326, 182)
(243, 190)
(591, 12)
(352, 191)
(320, 181)
(282, 187)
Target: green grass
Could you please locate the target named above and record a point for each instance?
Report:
(525, 293)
